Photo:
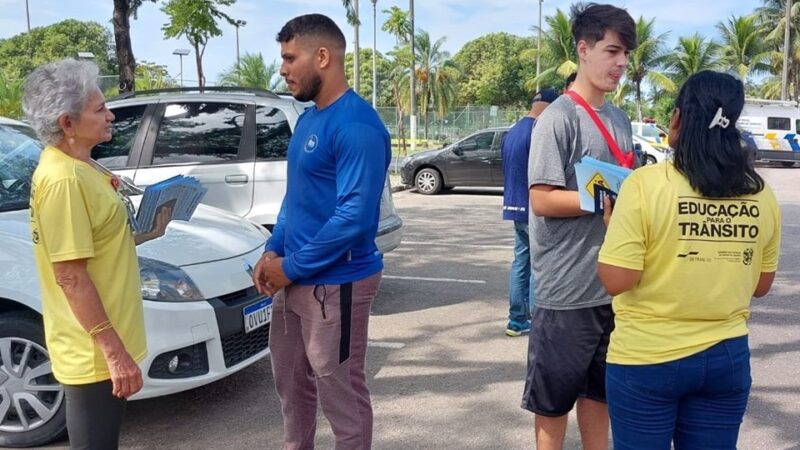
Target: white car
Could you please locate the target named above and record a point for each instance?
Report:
(652, 153)
(204, 319)
(233, 140)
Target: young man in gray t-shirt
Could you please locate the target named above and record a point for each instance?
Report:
(573, 317)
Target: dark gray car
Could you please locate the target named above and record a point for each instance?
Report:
(472, 161)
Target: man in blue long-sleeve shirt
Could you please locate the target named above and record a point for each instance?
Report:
(515, 150)
(321, 263)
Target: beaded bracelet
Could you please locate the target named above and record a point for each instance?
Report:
(100, 327)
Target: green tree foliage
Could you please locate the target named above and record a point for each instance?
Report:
(437, 75)
(24, 52)
(153, 76)
(744, 49)
(645, 61)
(398, 25)
(558, 58)
(494, 72)
(10, 96)
(196, 20)
(382, 66)
(252, 72)
(691, 55)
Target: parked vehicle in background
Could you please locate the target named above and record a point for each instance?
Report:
(234, 140)
(204, 319)
(773, 126)
(651, 132)
(472, 161)
(651, 153)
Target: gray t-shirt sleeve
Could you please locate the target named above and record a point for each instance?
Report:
(551, 140)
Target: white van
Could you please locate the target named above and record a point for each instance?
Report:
(772, 126)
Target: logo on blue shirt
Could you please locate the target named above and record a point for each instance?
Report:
(311, 143)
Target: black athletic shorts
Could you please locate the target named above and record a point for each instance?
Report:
(566, 358)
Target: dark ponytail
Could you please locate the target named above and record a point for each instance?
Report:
(713, 158)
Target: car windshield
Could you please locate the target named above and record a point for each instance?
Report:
(19, 156)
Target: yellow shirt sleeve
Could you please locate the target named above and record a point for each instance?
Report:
(626, 238)
(772, 250)
(64, 222)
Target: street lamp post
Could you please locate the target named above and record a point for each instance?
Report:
(181, 52)
(786, 53)
(413, 112)
(374, 67)
(28, 15)
(238, 23)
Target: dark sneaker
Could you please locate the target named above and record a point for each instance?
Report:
(515, 328)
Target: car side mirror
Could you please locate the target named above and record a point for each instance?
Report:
(458, 151)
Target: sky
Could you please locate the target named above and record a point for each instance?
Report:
(458, 20)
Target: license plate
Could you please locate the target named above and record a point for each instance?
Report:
(257, 315)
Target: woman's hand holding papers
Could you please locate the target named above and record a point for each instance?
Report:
(163, 219)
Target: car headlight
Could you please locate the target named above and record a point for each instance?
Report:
(162, 282)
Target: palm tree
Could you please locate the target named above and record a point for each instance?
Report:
(645, 60)
(437, 75)
(559, 58)
(398, 25)
(252, 72)
(691, 55)
(744, 49)
(771, 18)
(351, 6)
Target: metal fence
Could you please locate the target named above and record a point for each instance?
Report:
(452, 126)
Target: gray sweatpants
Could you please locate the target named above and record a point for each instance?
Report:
(318, 340)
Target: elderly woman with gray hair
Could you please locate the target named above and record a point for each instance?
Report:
(85, 254)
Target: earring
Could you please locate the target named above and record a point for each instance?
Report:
(71, 140)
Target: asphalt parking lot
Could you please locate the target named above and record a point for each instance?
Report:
(441, 372)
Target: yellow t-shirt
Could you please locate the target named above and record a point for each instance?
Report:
(77, 214)
(701, 260)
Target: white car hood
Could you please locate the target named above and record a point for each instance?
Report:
(211, 235)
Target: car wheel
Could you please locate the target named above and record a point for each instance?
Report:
(428, 181)
(787, 163)
(650, 160)
(32, 405)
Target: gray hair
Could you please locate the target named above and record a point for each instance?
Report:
(55, 89)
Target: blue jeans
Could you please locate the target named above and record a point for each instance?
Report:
(698, 401)
(520, 278)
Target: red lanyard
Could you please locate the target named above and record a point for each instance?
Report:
(624, 159)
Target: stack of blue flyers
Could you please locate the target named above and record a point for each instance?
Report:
(181, 193)
(597, 179)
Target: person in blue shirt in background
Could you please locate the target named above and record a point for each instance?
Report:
(321, 265)
(515, 149)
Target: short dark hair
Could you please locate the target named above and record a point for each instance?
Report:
(712, 158)
(570, 79)
(316, 25)
(591, 21)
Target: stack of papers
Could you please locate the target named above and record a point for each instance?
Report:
(596, 180)
(181, 193)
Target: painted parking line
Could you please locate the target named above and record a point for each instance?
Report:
(443, 244)
(445, 280)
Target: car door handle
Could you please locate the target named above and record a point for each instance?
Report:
(236, 179)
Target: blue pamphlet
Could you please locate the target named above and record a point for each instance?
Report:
(597, 179)
(180, 193)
